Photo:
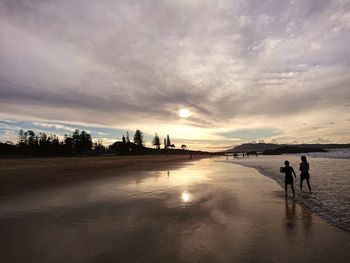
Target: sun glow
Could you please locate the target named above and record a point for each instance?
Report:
(184, 113)
(185, 196)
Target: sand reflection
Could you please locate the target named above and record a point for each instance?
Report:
(185, 197)
(290, 219)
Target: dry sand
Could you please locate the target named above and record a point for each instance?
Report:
(19, 174)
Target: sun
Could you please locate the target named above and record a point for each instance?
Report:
(184, 113)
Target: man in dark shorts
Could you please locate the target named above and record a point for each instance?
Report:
(288, 179)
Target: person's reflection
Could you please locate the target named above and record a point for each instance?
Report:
(137, 181)
(306, 215)
(290, 219)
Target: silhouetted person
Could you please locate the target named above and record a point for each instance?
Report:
(304, 173)
(288, 179)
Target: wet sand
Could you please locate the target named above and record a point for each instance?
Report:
(17, 175)
(200, 211)
(329, 178)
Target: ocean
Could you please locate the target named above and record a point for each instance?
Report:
(329, 178)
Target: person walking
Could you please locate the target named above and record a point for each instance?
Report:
(304, 173)
(288, 179)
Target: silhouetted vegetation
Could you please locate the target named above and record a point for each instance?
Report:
(30, 143)
(81, 143)
(138, 138)
(125, 147)
(167, 142)
(8, 149)
(156, 141)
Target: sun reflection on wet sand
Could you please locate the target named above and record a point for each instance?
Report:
(185, 196)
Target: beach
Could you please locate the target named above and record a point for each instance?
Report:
(206, 210)
(23, 174)
(329, 177)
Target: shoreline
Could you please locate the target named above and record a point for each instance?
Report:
(309, 201)
(22, 175)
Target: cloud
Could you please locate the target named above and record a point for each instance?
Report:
(53, 126)
(103, 133)
(123, 65)
(249, 134)
(321, 140)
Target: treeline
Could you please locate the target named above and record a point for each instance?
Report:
(80, 142)
(43, 144)
(125, 146)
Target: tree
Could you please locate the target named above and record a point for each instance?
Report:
(85, 141)
(184, 147)
(127, 137)
(42, 139)
(82, 141)
(68, 144)
(165, 144)
(32, 139)
(123, 139)
(21, 138)
(156, 141)
(30, 143)
(75, 137)
(138, 138)
(168, 142)
(43, 143)
(55, 143)
(26, 138)
(98, 145)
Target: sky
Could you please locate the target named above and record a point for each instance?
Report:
(241, 71)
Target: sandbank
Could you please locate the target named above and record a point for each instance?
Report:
(23, 174)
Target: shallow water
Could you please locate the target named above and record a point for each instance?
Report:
(329, 177)
(204, 211)
(343, 153)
